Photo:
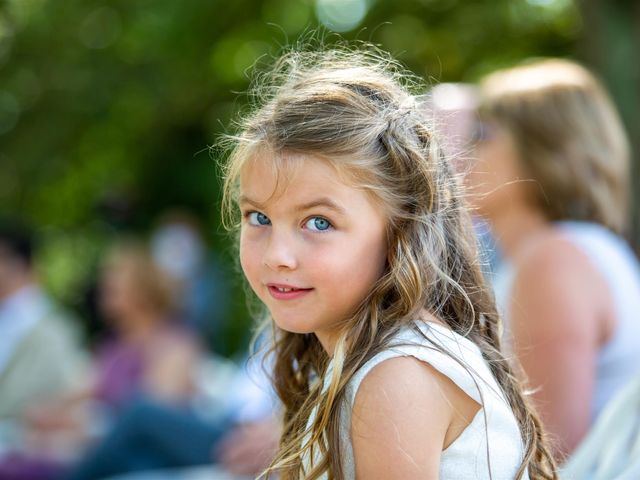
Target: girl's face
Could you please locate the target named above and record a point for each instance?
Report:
(311, 245)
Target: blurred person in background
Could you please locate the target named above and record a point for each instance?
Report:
(226, 416)
(232, 430)
(178, 247)
(150, 351)
(151, 354)
(40, 354)
(551, 177)
(452, 107)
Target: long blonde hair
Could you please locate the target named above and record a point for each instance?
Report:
(569, 138)
(354, 109)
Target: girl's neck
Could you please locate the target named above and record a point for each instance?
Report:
(328, 341)
(517, 225)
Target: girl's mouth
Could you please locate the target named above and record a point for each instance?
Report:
(282, 292)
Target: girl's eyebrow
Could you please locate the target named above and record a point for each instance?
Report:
(245, 199)
(322, 202)
(319, 202)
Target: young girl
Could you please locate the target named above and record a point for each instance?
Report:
(354, 236)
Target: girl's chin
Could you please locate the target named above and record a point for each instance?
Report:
(291, 327)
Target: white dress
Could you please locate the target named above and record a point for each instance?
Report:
(491, 442)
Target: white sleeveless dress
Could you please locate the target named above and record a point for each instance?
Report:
(490, 443)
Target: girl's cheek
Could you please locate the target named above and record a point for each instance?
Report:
(250, 259)
(245, 256)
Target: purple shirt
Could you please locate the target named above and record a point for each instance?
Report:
(120, 372)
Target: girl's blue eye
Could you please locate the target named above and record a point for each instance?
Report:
(257, 218)
(318, 224)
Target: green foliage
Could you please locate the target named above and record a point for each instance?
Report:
(122, 98)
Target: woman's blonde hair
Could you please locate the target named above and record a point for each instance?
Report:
(569, 138)
(354, 110)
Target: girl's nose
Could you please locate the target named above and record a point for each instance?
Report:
(280, 252)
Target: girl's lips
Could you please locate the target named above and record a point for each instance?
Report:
(287, 293)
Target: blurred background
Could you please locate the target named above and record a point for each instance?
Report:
(108, 109)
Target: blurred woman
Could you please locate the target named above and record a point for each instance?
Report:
(551, 177)
(150, 351)
(149, 355)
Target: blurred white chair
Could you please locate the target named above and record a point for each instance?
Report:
(611, 450)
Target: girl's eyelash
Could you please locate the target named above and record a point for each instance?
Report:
(253, 217)
(246, 214)
(330, 225)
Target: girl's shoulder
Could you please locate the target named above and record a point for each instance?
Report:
(432, 392)
(445, 352)
(408, 400)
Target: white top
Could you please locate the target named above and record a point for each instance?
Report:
(492, 441)
(19, 314)
(39, 358)
(619, 359)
